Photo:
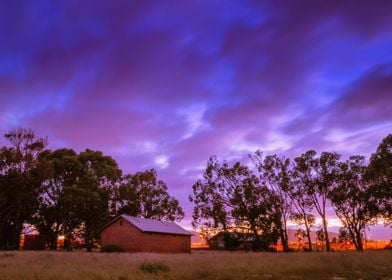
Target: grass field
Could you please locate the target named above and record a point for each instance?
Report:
(198, 265)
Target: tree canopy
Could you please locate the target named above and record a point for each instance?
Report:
(70, 193)
(231, 197)
(62, 192)
(262, 199)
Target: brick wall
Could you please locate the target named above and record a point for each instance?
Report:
(131, 239)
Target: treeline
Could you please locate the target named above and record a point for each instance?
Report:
(62, 192)
(261, 198)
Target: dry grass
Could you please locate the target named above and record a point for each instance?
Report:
(198, 265)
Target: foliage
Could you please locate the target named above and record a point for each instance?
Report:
(111, 249)
(142, 194)
(61, 169)
(232, 197)
(300, 234)
(301, 202)
(351, 199)
(74, 194)
(318, 176)
(321, 235)
(231, 240)
(19, 183)
(274, 172)
(68, 193)
(379, 172)
(88, 200)
(344, 235)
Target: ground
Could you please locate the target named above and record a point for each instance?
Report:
(198, 265)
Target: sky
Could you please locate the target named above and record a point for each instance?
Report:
(167, 84)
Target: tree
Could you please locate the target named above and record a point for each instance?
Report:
(143, 195)
(19, 183)
(61, 169)
(352, 200)
(231, 240)
(89, 198)
(298, 192)
(303, 219)
(379, 172)
(232, 198)
(212, 197)
(274, 173)
(300, 234)
(318, 176)
(344, 236)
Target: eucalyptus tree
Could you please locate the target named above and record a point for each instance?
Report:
(379, 172)
(19, 183)
(318, 175)
(233, 198)
(89, 199)
(143, 195)
(352, 200)
(301, 201)
(61, 169)
(274, 172)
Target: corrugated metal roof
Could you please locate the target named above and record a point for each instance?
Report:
(148, 225)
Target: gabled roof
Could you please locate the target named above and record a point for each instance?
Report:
(148, 225)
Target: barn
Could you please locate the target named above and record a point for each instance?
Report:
(134, 234)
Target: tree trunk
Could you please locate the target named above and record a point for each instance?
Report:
(2, 236)
(67, 242)
(308, 235)
(53, 241)
(353, 236)
(11, 234)
(358, 243)
(283, 236)
(89, 246)
(88, 240)
(257, 242)
(326, 234)
(284, 239)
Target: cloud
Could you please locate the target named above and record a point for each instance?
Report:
(167, 85)
(367, 101)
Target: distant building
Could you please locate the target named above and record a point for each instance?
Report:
(145, 235)
(231, 241)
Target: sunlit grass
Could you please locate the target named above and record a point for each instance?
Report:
(198, 265)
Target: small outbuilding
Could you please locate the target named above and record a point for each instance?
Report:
(134, 234)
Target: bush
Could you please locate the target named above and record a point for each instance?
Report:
(154, 267)
(272, 249)
(111, 249)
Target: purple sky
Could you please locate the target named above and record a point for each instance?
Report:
(166, 84)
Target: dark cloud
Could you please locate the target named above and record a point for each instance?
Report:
(367, 101)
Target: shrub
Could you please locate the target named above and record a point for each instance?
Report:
(272, 249)
(154, 267)
(111, 249)
(231, 240)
